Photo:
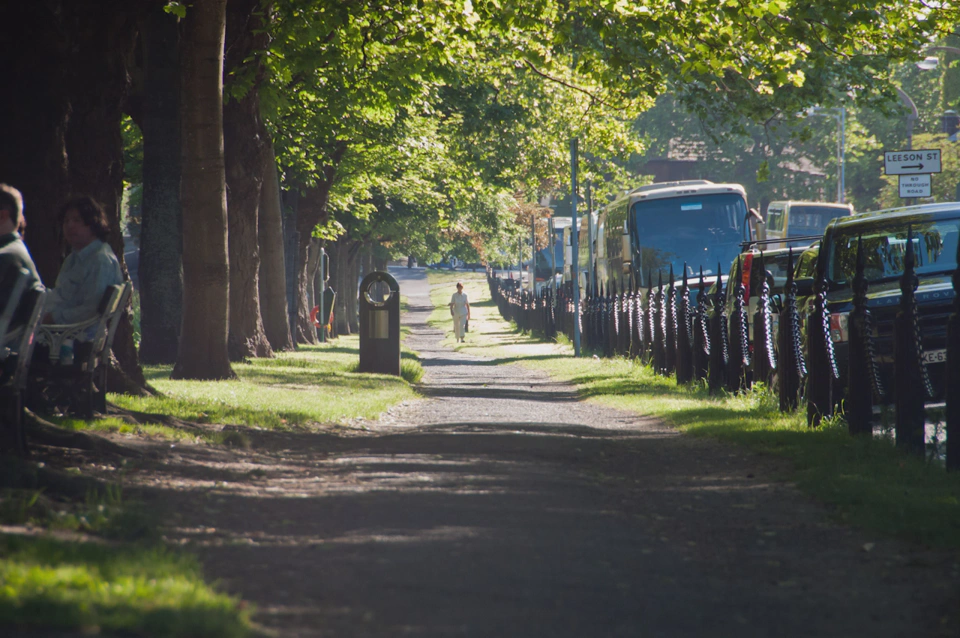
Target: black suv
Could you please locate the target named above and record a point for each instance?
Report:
(936, 230)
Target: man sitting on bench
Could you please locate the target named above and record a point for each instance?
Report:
(13, 252)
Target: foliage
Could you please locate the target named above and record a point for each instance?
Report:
(132, 177)
(426, 120)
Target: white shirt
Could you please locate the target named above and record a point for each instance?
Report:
(459, 303)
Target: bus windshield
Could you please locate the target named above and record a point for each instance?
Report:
(812, 220)
(699, 230)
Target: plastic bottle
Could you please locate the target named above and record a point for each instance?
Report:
(66, 352)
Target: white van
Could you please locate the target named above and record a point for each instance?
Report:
(801, 219)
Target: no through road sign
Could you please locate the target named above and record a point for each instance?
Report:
(911, 162)
(915, 186)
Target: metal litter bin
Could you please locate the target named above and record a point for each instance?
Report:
(380, 324)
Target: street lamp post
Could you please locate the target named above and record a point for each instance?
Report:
(574, 245)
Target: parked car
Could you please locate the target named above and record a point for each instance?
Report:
(936, 230)
(801, 219)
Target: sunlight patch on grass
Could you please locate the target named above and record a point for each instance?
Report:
(315, 384)
(94, 588)
(113, 425)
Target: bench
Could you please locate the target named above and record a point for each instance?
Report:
(80, 384)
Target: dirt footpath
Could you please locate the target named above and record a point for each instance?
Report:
(502, 506)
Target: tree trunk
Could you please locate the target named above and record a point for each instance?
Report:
(206, 268)
(353, 302)
(33, 122)
(311, 211)
(291, 259)
(340, 266)
(313, 266)
(273, 278)
(94, 141)
(161, 240)
(243, 155)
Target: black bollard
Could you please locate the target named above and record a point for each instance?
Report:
(701, 334)
(911, 383)
(764, 355)
(791, 367)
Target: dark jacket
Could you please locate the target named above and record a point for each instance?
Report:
(13, 252)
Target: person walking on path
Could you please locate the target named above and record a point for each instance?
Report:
(460, 309)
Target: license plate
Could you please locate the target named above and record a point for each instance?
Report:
(935, 356)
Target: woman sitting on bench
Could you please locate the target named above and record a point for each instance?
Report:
(88, 270)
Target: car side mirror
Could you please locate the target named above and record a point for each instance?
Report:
(804, 286)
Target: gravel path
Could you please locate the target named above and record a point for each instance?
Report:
(502, 506)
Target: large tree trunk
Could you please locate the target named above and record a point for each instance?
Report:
(33, 121)
(161, 241)
(273, 278)
(243, 149)
(94, 141)
(206, 268)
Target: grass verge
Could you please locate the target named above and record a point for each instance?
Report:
(866, 482)
(314, 384)
(98, 588)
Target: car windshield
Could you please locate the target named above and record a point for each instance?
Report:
(776, 264)
(934, 244)
(699, 230)
(813, 220)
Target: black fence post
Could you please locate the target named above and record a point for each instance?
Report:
(858, 406)
(701, 336)
(718, 339)
(821, 362)
(670, 332)
(791, 367)
(764, 353)
(911, 383)
(659, 340)
(684, 345)
(952, 380)
(610, 346)
(650, 319)
(739, 336)
(623, 323)
(636, 322)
